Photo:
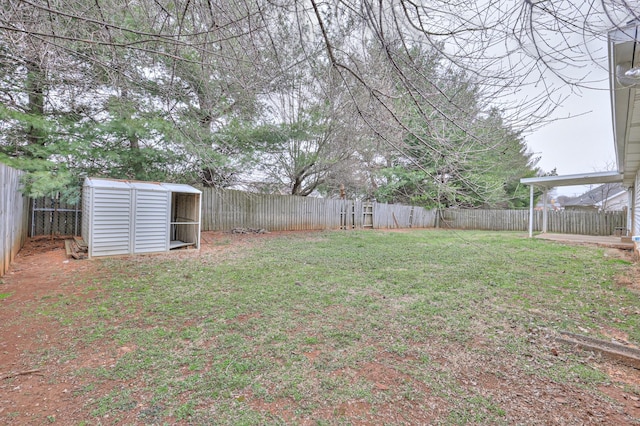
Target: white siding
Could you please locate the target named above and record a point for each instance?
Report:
(617, 202)
(635, 226)
(151, 221)
(111, 224)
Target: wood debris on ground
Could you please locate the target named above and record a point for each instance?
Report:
(76, 248)
(249, 231)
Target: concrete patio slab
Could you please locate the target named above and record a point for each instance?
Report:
(600, 241)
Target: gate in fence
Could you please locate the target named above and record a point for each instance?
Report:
(50, 216)
(356, 214)
(367, 215)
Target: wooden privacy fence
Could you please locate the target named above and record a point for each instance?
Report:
(565, 222)
(228, 209)
(14, 210)
(224, 210)
(491, 220)
(584, 222)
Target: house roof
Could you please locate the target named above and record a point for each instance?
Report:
(596, 196)
(624, 55)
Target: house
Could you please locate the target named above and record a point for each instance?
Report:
(607, 197)
(551, 202)
(624, 80)
(624, 88)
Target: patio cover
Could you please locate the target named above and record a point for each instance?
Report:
(624, 56)
(547, 182)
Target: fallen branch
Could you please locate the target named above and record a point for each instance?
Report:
(20, 373)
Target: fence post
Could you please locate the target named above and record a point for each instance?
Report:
(531, 211)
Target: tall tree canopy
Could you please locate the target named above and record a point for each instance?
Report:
(393, 98)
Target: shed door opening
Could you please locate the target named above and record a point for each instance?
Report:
(185, 220)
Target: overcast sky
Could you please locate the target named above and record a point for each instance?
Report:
(582, 143)
(579, 144)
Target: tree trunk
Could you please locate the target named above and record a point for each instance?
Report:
(35, 86)
(136, 163)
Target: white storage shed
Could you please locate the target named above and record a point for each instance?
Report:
(132, 217)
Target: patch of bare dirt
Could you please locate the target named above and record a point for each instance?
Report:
(40, 270)
(42, 273)
(616, 253)
(631, 278)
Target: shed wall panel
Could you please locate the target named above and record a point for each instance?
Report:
(111, 224)
(151, 221)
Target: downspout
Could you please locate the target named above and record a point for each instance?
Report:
(630, 211)
(531, 211)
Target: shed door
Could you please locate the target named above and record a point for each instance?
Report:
(110, 230)
(151, 221)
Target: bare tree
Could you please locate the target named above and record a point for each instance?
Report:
(312, 121)
(505, 44)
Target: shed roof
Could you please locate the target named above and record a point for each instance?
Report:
(136, 184)
(181, 187)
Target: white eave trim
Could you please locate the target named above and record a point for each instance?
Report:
(611, 197)
(622, 43)
(577, 179)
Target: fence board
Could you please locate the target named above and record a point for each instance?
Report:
(14, 216)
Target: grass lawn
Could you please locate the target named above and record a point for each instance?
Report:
(358, 327)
